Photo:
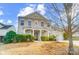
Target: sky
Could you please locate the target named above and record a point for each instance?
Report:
(9, 12)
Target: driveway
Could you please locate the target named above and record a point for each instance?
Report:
(74, 42)
(1, 44)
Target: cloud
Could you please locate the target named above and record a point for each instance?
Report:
(9, 22)
(41, 9)
(5, 21)
(32, 5)
(42, 12)
(1, 13)
(26, 11)
(1, 21)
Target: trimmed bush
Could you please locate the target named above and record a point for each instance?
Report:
(44, 38)
(8, 38)
(20, 38)
(52, 38)
(30, 37)
(24, 38)
(65, 36)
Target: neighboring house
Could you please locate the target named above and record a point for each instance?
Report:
(35, 24)
(4, 29)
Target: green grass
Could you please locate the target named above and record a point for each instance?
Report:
(76, 38)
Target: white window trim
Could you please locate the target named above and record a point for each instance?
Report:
(21, 20)
(41, 24)
(27, 23)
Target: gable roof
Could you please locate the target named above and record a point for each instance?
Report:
(35, 15)
(5, 26)
(1, 24)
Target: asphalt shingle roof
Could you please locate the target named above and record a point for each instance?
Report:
(5, 26)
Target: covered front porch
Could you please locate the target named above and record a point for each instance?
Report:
(37, 33)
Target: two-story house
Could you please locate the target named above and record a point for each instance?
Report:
(34, 24)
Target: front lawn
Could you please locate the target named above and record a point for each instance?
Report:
(76, 38)
(35, 48)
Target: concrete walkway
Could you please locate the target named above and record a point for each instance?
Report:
(74, 42)
(1, 44)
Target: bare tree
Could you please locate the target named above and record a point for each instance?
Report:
(68, 10)
(68, 18)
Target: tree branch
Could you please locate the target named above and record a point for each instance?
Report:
(58, 12)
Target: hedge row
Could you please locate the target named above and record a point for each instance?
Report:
(24, 38)
(11, 37)
(50, 38)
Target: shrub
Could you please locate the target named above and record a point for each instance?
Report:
(44, 38)
(52, 38)
(24, 38)
(65, 36)
(8, 38)
(30, 37)
(20, 38)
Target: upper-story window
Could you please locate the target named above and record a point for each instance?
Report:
(29, 23)
(42, 24)
(48, 25)
(22, 22)
(36, 22)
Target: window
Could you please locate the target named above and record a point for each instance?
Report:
(36, 22)
(48, 25)
(28, 31)
(42, 24)
(22, 22)
(29, 23)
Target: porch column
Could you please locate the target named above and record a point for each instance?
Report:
(24, 31)
(33, 32)
(48, 33)
(40, 35)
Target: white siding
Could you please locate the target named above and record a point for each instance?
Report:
(4, 31)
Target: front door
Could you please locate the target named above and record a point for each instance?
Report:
(36, 34)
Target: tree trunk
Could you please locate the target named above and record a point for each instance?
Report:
(71, 49)
(68, 9)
